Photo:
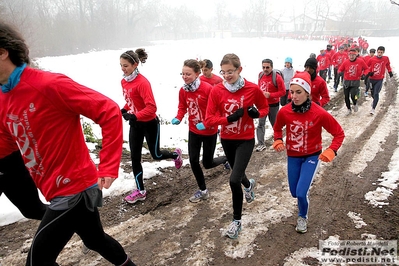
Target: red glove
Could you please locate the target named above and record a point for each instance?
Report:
(327, 156)
(278, 145)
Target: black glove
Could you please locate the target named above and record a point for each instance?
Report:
(370, 74)
(341, 74)
(362, 77)
(253, 112)
(390, 74)
(236, 115)
(127, 116)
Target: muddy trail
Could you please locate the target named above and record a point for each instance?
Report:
(166, 229)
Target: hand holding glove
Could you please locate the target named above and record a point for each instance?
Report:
(175, 121)
(327, 156)
(200, 126)
(253, 112)
(390, 74)
(278, 145)
(236, 115)
(370, 74)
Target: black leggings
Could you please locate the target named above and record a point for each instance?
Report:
(238, 154)
(151, 131)
(57, 228)
(17, 184)
(337, 78)
(351, 93)
(194, 148)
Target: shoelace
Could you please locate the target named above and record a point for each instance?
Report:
(302, 222)
(198, 194)
(234, 226)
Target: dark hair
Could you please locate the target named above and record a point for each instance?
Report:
(231, 59)
(372, 50)
(193, 64)
(139, 55)
(206, 63)
(381, 48)
(268, 61)
(12, 41)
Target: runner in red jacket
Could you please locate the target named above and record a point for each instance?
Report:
(140, 110)
(331, 53)
(352, 69)
(324, 62)
(272, 94)
(367, 79)
(193, 98)
(319, 92)
(337, 61)
(378, 65)
(234, 104)
(303, 122)
(41, 111)
(208, 76)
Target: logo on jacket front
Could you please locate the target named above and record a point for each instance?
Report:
(229, 108)
(352, 70)
(297, 136)
(377, 69)
(21, 130)
(194, 111)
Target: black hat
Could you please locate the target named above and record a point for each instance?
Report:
(372, 50)
(312, 63)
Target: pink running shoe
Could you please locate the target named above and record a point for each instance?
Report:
(178, 160)
(135, 196)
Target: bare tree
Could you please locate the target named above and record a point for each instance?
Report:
(222, 16)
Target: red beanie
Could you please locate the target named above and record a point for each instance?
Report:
(302, 79)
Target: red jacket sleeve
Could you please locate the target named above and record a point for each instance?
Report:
(280, 88)
(182, 107)
(104, 112)
(279, 124)
(325, 96)
(334, 128)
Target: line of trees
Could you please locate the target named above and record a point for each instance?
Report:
(56, 27)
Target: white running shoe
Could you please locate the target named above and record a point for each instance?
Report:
(199, 195)
(260, 147)
(302, 225)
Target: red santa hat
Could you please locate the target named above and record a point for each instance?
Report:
(302, 79)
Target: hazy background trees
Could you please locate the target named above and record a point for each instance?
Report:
(56, 27)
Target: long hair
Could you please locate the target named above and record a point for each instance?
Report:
(12, 41)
